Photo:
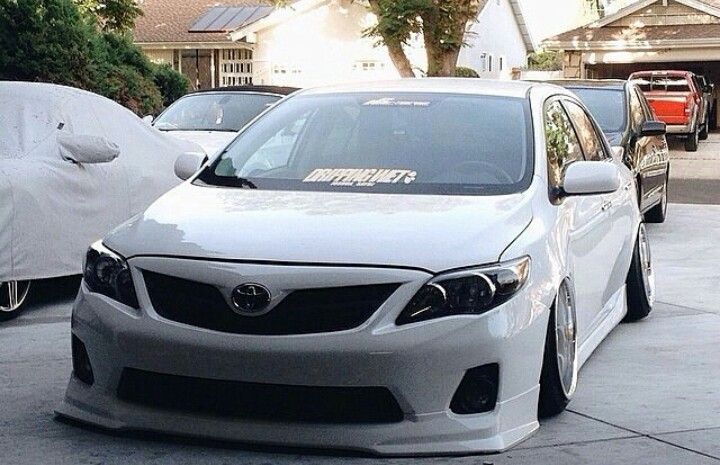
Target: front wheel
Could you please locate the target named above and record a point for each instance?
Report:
(658, 213)
(692, 141)
(640, 279)
(12, 297)
(704, 132)
(558, 378)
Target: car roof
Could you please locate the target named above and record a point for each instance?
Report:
(277, 90)
(470, 86)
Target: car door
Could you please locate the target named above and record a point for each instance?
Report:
(652, 154)
(601, 232)
(589, 228)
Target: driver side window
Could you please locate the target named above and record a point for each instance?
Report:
(561, 142)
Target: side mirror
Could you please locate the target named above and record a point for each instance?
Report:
(591, 177)
(148, 119)
(188, 164)
(86, 149)
(653, 128)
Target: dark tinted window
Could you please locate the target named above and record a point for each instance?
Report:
(412, 143)
(561, 142)
(606, 105)
(214, 111)
(591, 144)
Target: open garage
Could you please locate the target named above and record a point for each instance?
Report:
(647, 35)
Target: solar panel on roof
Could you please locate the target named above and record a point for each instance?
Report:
(229, 18)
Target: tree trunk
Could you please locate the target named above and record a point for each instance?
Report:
(395, 49)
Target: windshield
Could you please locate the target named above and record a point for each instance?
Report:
(213, 111)
(606, 105)
(414, 143)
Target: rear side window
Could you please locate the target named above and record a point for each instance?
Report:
(562, 144)
(591, 143)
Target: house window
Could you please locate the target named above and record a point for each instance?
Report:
(368, 66)
(236, 67)
(501, 63)
(286, 69)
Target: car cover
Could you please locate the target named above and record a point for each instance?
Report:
(73, 165)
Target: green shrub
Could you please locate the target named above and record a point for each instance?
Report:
(50, 41)
(172, 85)
(466, 72)
(545, 61)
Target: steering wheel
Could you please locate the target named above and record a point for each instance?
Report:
(476, 165)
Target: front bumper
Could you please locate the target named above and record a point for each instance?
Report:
(422, 365)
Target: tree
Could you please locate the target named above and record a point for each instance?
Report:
(111, 15)
(50, 41)
(441, 23)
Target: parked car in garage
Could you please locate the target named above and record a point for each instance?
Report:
(72, 166)
(212, 117)
(423, 271)
(628, 122)
(678, 101)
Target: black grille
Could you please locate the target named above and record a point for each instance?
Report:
(253, 401)
(301, 312)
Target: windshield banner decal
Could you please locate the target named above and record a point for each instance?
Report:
(360, 177)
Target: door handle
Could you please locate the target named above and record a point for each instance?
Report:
(606, 206)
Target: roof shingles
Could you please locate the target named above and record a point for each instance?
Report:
(169, 21)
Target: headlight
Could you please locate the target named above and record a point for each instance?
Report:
(107, 273)
(468, 292)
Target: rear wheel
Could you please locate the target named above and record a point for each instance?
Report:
(692, 141)
(12, 297)
(559, 371)
(640, 279)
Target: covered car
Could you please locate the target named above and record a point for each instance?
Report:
(73, 165)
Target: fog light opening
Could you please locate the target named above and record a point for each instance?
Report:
(478, 391)
(82, 369)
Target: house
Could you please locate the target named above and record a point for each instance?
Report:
(648, 34)
(315, 42)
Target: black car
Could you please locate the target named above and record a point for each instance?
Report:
(624, 115)
(211, 118)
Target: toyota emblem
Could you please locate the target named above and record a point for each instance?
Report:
(250, 299)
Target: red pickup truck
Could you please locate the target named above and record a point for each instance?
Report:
(677, 99)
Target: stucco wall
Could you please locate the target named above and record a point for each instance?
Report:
(495, 32)
(325, 45)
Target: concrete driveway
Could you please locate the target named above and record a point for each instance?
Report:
(649, 395)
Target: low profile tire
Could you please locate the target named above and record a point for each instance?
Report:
(12, 297)
(640, 280)
(692, 141)
(658, 213)
(558, 377)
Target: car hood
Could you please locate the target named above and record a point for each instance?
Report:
(210, 141)
(434, 233)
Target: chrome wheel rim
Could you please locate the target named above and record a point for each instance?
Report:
(566, 340)
(13, 294)
(646, 267)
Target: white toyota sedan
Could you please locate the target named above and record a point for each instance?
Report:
(407, 267)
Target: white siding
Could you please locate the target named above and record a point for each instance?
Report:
(495, 34)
